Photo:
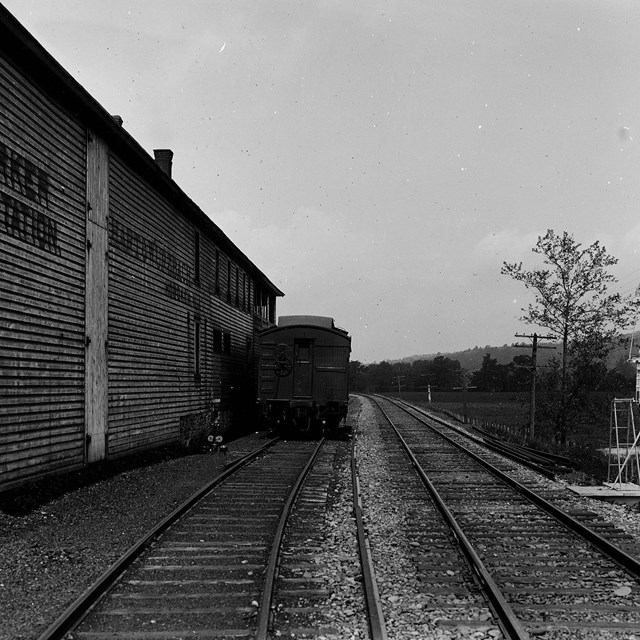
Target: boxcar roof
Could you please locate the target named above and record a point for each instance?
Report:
(316, 321)
(323, 322)
(24, 51)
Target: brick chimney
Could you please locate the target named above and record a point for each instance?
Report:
(164, 159)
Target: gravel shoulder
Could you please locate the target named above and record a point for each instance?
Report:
(53, 553)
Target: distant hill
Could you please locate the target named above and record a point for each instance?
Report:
(471, 359)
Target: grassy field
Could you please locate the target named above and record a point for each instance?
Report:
(509, 411)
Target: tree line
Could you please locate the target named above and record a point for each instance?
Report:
(446, 374)
(571, 303)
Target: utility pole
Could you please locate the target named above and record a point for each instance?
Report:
(464, 388)
(534, 357)
(398, 378)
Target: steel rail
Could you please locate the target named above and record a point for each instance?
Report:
(523, 460)
(511, 626)
(511, 447)
(552, 457)
(535, 463)
(271, 572)
(377, 626)
(518, 457)
(542, 458)
(78, 610)
(627, 562)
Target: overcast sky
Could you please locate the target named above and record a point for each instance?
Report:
(380, 160)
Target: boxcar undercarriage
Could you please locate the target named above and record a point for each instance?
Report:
(304, 417)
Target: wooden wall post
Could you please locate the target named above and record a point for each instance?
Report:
(96, 299)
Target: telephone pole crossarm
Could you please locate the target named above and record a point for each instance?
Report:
(464, 388)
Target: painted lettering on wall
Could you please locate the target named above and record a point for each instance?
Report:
(146, 250)
(176, 292)
(19, 219)
(23, 176)
(25, 223)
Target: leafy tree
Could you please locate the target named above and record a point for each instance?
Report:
(520, 369)
(420, 375)
(491, 376)
(382, 377)
(357, 371)
(446, 373)
(572, 303)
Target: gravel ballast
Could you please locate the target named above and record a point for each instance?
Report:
(411, 609)
(51, 554)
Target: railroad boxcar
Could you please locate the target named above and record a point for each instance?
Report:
(303, 380)
(128, 319)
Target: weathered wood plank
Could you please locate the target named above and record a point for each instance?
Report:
(42, 243)
(97, 299)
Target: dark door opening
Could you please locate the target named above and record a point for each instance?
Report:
(303, 368)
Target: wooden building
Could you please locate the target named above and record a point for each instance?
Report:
(127, 317)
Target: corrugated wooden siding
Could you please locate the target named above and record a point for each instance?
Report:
(154, 306)
(331, 381)
(227, 375)
(42, 261)
(267, 379)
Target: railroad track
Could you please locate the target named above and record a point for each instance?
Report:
(240, 559)
(545, 463)
(251, 556)
(542, 491)
(544, 573)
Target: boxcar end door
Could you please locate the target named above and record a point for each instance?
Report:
(302, 369)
